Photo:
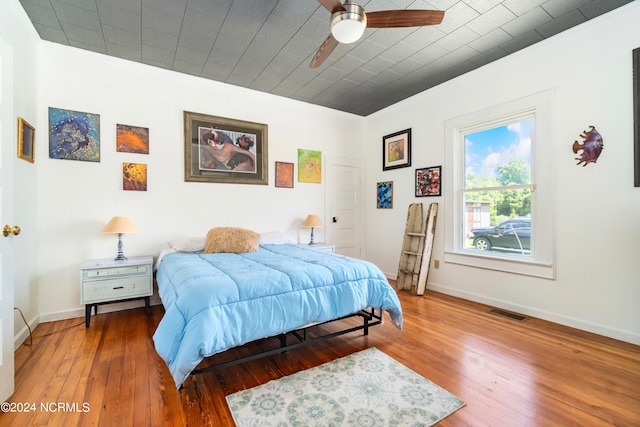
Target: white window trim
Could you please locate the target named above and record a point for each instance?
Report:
(541, 263)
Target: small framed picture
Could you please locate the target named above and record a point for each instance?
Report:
(26, 140)
(428, 181)
(134, 176)
(284, 175)
(132, 139)
(396, 150)
(385, 195)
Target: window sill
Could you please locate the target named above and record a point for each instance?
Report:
(514, 264)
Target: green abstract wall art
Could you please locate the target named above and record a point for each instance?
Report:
(309, 166)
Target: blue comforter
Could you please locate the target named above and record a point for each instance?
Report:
(214, 302)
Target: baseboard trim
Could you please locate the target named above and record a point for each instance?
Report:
(106, 308)
(541, 314)
(23, 333)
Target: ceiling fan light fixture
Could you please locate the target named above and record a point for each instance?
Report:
(347, 26)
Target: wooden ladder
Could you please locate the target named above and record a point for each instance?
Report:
(429, 233)
(412, 247)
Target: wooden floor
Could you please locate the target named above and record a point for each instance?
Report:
(509, 373)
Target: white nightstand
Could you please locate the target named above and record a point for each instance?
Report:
(321, 247)
(103, 281)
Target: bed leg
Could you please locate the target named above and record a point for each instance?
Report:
(283, 340)
(366, 325)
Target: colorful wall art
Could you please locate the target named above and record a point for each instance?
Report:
(284, 174)
(428, 181)
(132, 139)
(309, 166)
(385, 195)
(134, 176)
(74, 135)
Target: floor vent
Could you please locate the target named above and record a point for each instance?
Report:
(509, 314)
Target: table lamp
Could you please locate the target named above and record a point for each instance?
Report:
(119, 225)
(312, 221)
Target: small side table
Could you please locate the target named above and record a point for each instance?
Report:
(321, 247)
(105, 281)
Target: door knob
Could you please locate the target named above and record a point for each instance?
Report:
(15, 230)
(335, 219)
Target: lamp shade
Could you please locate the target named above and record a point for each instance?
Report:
(312, 221)
(119, 225)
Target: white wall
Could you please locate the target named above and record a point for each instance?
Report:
(18, 32)
(78, 198)
(597, 208)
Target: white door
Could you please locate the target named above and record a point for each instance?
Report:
(8, 124)
(345, 208)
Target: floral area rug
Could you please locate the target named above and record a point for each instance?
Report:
(367, 388)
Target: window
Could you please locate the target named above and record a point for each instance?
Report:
(497, 174)
(501, 170)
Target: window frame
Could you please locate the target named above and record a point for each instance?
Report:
(541, 262)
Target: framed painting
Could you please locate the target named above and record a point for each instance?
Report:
(223, 150)
(428, 181)
(134, 176)
(284, 175)
(26, 140)
(309, 166)
(385, 195)
(396, 150)
(636, 116)
(132, 139)
(74, 135)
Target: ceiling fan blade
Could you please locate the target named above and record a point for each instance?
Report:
(404, 18)
(332, 5)
(323, 52)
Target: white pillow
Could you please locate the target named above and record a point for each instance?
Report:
(276, 237)
(188, 245)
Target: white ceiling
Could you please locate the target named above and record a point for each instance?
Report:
(267, 45)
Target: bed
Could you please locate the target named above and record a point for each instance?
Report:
(214, 302)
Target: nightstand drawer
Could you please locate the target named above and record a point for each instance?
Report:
(116, 289)
(114, 272)
(320, 247)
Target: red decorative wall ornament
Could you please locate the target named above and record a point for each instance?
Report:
(591, 146)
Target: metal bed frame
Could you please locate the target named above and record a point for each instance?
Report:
(370, 317)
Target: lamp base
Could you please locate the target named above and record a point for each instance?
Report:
(120, 256)
(311, 242)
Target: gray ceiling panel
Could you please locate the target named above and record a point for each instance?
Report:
(522, 41)
(558, 25)
(557, 8)
(483, 6)
(490, 40)
(160, 39)
(85, 4)
(267, 45)
(41, 14)
(172, 7)
(124, 52)
(120, 18)
(130, 39)
(78, 16)
(84, 35)
(520, 7)
(158, 20)
(527, 21)
(488, 21)
(55, 35)
(154, 55)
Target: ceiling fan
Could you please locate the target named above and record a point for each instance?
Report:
(349, 20)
